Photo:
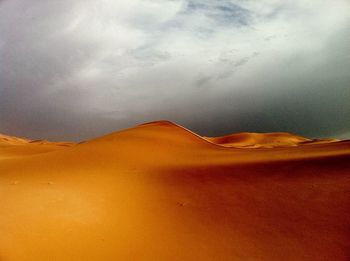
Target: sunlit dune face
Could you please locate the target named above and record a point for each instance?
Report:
(161, 192)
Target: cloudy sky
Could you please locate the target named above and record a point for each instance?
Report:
(76, 69)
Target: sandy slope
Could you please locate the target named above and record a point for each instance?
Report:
(160, 192)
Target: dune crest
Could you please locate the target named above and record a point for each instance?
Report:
(236, 140)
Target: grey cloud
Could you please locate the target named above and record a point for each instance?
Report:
(203, 81)
(79, 69)
(222, 11)
(234, 65)
(149, 55)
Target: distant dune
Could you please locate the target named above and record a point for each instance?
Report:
(161, 192)
(18, 147)
(9, 140)
(259, 140)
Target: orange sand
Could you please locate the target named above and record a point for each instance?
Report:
(160, 192)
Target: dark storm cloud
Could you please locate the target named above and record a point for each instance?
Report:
(78, 69)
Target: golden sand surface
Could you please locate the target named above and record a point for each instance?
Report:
(160, 192)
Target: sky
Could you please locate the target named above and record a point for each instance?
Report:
(77, 69)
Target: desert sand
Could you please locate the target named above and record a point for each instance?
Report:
(160, 192)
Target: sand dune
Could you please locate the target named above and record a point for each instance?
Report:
(161, 192)
(259, 140)
(9, 140)
(11, 147)
(265, 140)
